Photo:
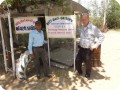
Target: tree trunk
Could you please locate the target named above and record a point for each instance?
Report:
(104, 18)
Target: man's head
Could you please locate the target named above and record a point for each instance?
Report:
(38, 25)
(85, 19)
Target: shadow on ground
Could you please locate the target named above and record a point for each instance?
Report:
(63, 79)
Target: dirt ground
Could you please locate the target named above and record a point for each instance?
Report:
(106, 77)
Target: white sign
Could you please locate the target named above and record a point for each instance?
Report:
(24, 24)
(61, 26)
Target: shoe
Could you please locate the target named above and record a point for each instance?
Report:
(38, 76)
(48, 75)
(78, 73)
(87, 75)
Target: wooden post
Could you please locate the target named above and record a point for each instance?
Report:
(96, 62)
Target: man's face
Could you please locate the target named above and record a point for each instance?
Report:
(85, 20)
(38, 27)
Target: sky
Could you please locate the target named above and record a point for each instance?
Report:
(118, 1)
(1, 1)
(86, 3)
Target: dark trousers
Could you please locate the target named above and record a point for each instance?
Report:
(84, 55)
(41, 52)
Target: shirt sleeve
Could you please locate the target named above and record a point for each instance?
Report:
(30, 43)
(78, 30)
(99, 35)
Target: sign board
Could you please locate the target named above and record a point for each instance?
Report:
(61, 26)
(24, 24)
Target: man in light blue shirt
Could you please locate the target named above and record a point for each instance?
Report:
(36, 49)
(36, 39)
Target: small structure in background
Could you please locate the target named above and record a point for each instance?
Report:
(57, 46)
(68, 7)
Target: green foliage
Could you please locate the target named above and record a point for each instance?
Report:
(113, 15)
(33, 2)
(97, 21)
(9, 2)
(14, 3)
(96, 9)
(26, 1)
(58, 2)
(96, 13)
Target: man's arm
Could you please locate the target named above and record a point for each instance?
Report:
(100, 36)
(30, 42)
(30, 46)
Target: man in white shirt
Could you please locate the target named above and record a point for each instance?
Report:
(88, 35)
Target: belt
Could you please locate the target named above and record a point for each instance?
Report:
(37, 46)
(84, 48)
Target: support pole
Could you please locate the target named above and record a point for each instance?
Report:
(74, 52)
(75, 42)
(49, 52)
(3, 45)
(11, 44)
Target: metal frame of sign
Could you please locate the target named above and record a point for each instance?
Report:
(74, 32)
(7, 15)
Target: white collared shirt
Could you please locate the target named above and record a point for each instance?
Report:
(90, 35)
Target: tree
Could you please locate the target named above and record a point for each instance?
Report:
(113, 15)
(21, 5)
(105, 7)
(96, 12)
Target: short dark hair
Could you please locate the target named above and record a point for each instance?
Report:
(37, 22)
